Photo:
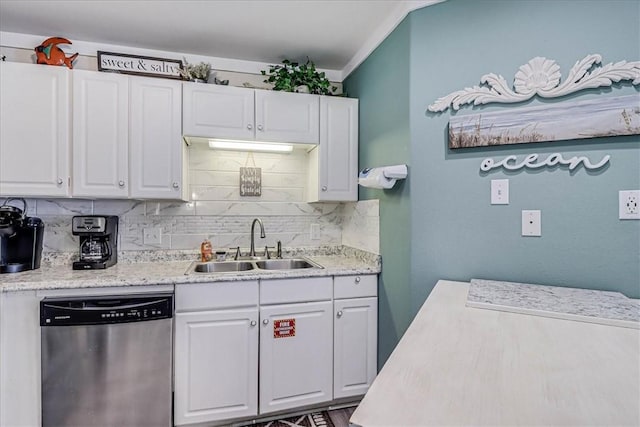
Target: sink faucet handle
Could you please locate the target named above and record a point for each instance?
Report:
(238, 254)
(266, 251)
(279, 249)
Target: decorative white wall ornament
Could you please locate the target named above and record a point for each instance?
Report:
(541, 76)
(511, 162)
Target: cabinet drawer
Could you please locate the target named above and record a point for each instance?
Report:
(204, 296)
(295, 290)
(355, 286)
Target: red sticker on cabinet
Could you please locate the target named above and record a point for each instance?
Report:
(284, 328)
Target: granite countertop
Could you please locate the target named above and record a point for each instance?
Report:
(161, 269)
(604, 307)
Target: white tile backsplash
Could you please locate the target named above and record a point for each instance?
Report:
(219, 214)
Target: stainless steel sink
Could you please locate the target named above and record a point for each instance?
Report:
(253, 265)
(223, 267)
(285, 264)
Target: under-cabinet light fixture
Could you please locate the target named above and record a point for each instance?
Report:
(224, 144)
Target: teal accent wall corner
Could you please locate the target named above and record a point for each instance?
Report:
(382, 86)
(454, 232)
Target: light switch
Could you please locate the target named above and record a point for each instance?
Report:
(531, 223)
(499, 191)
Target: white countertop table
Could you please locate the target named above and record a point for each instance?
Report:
(459, 365)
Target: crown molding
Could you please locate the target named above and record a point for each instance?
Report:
(29, 41)
(382, 32)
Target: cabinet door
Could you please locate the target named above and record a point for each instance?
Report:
(295, 355)
(34, 130)
(355, 346)
(100, 134)
(216, 365)
(338, 149)
(287, 117)
(212, 111)
(155, 139)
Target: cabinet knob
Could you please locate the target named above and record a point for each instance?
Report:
(358, 279)
(60, 181)
(175, 185)
(253, 323)
(339, 313)
(259, 127)
(265, 322)
(121, 183)
(324, 188)
(249, 127)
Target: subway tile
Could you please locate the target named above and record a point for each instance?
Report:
(118, 207)
(170, 208)
(64, 207)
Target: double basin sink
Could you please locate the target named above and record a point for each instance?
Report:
(251, 265)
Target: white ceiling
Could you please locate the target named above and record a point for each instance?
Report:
(335, 34)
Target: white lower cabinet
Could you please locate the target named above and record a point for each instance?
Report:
(295, 355)
(243, 350)
(355, 335)
(216, 352)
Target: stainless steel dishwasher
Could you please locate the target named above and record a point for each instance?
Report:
(107, 360)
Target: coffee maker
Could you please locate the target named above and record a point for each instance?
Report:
(98, 241)
(20, 238)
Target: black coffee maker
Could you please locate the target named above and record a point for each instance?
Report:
(20, 238)
(98, 241)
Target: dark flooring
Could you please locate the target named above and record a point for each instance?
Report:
(340, 417)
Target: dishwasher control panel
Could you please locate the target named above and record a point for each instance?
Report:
(105, 309)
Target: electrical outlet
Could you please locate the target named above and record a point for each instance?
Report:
(499, 191)
(152, 236)
(531, 223)
(315, 232)
(629, 204)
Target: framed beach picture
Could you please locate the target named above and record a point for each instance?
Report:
(604, 116)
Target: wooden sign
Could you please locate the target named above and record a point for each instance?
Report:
(250, 181)
(284, 328)
(139, 65)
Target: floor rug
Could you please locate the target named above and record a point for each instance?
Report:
(312, 419)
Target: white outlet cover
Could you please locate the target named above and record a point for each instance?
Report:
(152, 236)
(499, 191)
(629, 204)
(315, 232)
(531, 223)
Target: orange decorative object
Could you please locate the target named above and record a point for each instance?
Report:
(206, 251)
(49, 53)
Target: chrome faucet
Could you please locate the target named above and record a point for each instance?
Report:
(252, 250)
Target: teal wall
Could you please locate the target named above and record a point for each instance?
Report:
(383, 90)
(455, 232)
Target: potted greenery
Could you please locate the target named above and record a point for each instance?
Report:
(196, 72)
(294, 77)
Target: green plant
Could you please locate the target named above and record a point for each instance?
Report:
(290, 75)
(195, 71)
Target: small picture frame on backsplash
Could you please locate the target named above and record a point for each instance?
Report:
(250, 181)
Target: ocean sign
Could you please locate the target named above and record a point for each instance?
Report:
(531, 161)
(602, 117)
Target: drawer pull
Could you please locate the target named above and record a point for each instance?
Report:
(358, 279)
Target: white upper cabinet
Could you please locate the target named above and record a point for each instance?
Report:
(127, 137)
(155, 140)
(34, 130)
(212, 111)
(287, 117)
(334, 163)
(100, 134)
(218, 111)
